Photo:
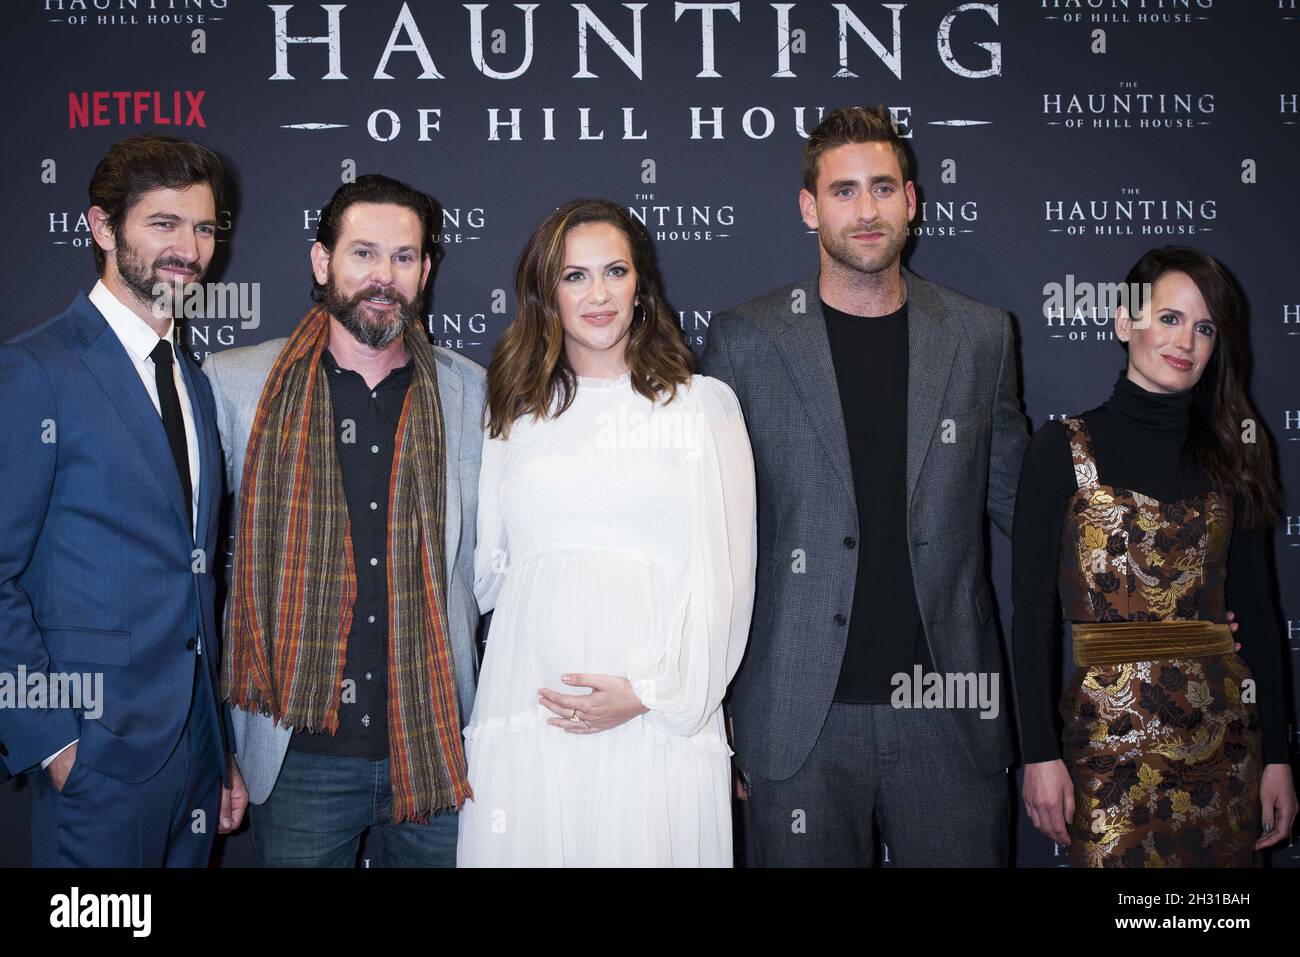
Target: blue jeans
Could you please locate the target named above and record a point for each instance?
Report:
(322, 805)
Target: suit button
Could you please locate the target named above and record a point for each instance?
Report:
(189, 645)
(839, 619)
(848, 541)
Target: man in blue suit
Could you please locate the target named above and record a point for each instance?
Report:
(111, 471)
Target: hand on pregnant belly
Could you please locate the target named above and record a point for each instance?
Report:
(611, 702)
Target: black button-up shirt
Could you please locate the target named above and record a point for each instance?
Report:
(365, 435)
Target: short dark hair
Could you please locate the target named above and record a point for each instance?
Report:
(375, 188)
(851, 124)
(140, 164)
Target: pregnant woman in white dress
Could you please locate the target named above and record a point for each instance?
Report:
(616, 548)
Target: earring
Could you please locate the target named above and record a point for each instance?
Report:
(638, 315)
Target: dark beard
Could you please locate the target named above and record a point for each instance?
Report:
(350, 313)
(141, 280)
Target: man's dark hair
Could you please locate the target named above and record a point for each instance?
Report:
(374, 188)
(140, 164)
(851, 124)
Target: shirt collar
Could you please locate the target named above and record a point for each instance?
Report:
(135, 334)
(395, 377)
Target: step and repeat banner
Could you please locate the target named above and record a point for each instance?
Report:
(1055, 141)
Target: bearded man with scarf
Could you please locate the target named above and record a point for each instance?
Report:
(352, 449)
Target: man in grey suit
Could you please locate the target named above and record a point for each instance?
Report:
(352, 449)
(885, 423)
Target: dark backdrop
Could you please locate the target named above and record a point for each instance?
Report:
(1054, 139)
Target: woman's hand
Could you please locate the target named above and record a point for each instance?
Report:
(611, 702)
(1233, 625)
(1048, 794)
(1277, 796)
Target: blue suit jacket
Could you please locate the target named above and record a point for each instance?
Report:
(98, 569)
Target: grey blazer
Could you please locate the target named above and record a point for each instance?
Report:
(237, 377)
(774, 353)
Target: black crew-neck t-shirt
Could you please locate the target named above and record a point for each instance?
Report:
(870, 355)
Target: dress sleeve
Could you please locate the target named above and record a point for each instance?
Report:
(1046, 483)
(1251, 596)
(682, 682)
(490, 558)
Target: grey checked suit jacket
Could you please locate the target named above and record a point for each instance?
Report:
(237, 377)
(963, 368)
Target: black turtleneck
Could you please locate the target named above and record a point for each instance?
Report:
(1137, 438)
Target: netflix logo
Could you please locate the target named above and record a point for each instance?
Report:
(135, 108)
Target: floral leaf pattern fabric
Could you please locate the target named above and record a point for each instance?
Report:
(1165, 754)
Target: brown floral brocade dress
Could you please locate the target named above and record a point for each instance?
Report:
(1165, 755)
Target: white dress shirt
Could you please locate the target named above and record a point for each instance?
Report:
(139, 339)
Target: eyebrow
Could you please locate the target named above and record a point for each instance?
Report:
(606, 266)
(375, 246)
(873, 181)
(1180, 314)
(173, 218)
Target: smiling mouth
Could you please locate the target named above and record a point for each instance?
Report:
(380, 300)
(1183, 365)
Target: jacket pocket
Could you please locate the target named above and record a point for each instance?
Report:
(88, 645)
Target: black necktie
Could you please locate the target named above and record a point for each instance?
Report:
(163, 359)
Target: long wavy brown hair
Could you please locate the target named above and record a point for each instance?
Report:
(1220, 399)
(530, 373)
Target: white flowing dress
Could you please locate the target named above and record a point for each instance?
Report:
(619, 539)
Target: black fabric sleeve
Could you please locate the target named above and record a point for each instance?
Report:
(1046, 484)
(1250, 595)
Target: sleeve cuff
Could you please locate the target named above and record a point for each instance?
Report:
(50, 760)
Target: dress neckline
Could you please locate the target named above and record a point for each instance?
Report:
(588, 382)
(1097, 483)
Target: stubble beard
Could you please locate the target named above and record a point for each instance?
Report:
(866, 262)
(142, 281)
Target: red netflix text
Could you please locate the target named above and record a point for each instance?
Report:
(135, 108)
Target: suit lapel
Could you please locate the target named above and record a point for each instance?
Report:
(108, 362)
(931, 348)
(807, 353)
(452, 399)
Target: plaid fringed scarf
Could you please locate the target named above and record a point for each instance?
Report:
(295, 584)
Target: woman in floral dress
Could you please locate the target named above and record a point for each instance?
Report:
(1144, 520)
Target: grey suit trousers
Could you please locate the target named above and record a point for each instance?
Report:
(876, 766)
